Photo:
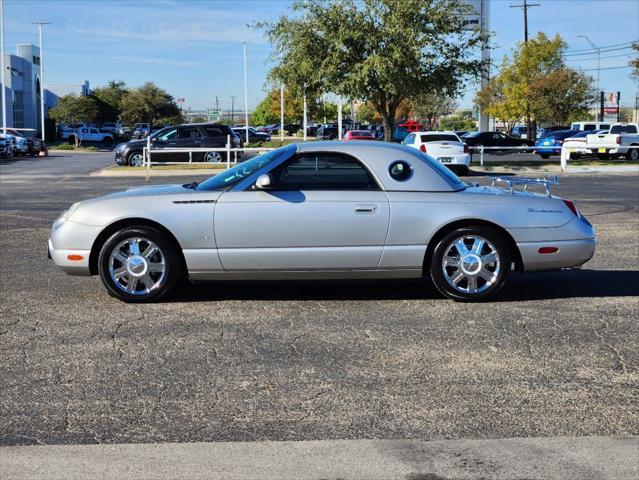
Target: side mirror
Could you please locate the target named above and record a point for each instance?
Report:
(264, 182)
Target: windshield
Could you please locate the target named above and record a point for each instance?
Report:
(230, 177)
(472, 134)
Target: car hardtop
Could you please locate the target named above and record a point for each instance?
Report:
(428, 175)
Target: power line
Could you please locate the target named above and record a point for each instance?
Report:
(603, 50)
(603, 57)
(579, 50)
(605, 68)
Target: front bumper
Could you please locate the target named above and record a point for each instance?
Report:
(69, 246)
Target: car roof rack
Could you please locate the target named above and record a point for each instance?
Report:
(512, 182)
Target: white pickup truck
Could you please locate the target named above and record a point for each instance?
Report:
(91, 134)
(622, 140)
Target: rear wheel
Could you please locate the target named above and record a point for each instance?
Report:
(544, 155)
(138, 264)
(470, 264)
(633, 153)
(212, 157)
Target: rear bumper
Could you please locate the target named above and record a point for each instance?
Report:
(571, 253)
(463, 159)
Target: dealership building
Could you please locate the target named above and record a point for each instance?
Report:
(21, 83)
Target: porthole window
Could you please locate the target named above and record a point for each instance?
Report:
(400, 170)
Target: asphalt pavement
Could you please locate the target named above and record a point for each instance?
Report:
(556, 355)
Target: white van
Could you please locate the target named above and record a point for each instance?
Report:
(581, 126)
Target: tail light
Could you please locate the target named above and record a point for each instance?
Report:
(572, 207)
(422, 148)
(466, 148)
(618, 139)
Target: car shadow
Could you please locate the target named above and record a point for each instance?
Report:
(520, 287)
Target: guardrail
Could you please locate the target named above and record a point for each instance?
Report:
(230, 154)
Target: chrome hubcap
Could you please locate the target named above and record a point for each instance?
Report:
(471, 264)
(212, 157)
(137, 266)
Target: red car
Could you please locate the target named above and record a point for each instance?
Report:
(359, 135)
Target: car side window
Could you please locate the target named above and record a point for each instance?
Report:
(410, 139)
(214, 132)
(169, 134)
(187, 133)
(323, 171)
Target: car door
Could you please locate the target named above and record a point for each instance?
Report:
(189, 137)
(325, 211)
(164, 139)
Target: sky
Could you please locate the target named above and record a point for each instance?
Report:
(193, 48)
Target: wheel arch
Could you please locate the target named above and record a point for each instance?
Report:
(473, 222)
(109, 230)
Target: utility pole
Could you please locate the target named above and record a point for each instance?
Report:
(217, 103)
(40, 24)
(282, 113)
(525, 6)
(4, 99)
(233, 109)
(246, 122)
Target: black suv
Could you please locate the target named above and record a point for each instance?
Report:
(190, 135)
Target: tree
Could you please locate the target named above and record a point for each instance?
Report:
(367, 113)
(72, 109)
(379, 51)
(109, 100)
(431, 106)
(537, 86)
(150, 104)
(198, 119)
(268, 110)
(634, 63)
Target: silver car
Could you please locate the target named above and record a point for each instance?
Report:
(321, 210)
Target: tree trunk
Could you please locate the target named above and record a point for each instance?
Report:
(387, 111)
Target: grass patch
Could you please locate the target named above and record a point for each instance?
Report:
(70, 146)
(186, 166)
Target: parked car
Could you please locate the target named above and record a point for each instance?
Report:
(327, 132)
(92, 134)
(577, 143)
(497, 140)
(35, 145)
(445, 147)
(321, 210)
(590, 126)
(254, 135)
(65, 131)
(18, 145)
(551, 142)
(519, 131)
(113, 127)
(6, 146)
(398, 135)
(190, 135)
(359, 135)
(621, 141)
(141, 130)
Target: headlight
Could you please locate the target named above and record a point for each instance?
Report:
(119, 148)
(72, 209)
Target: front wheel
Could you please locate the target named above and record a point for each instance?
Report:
(470, 264)
(138, 264)
(633, 153)
(136, 159)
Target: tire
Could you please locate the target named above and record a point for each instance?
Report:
(575, 156)
(602, 156)
(135, 159)
(71, 139)
(107, 140)
(633, 153)
(544, 155)
(456, 280)
(213, 157)
(125, 269)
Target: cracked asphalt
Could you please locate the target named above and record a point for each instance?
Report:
(555, 355)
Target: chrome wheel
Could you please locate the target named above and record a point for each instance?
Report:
(212, 157)
(136, 160)
(471, 264)
(137, 266)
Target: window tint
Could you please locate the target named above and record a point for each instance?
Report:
(188, 133)
(604, 126)
(409, 140)
(214, 132)
(439, 138)
(589, 126)
(168, 134)
(323, 171)
(623, 129)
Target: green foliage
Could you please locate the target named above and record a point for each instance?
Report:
(381, 51)
(150, 104)
(198, 120)
(634, 63)
(537, 86)
(431, 106)
(458, 123)
(109, 100)
(74, 109)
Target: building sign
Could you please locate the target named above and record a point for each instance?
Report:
(477, 17)
(213, 114)
(611, 107)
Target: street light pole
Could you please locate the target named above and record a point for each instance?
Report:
(246, 123)
(40, 24)
(4, 99)
(598, 63)
(305, 122)
(282, 113)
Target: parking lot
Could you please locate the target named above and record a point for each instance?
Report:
(556, 355)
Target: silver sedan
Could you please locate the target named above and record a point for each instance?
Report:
(322, 210)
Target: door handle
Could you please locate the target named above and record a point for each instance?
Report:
(365, 209)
